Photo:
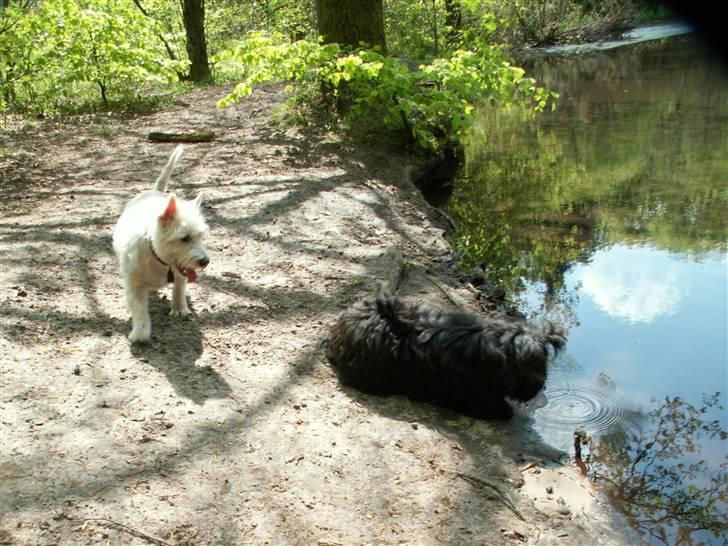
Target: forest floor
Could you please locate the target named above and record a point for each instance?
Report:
(230, 427)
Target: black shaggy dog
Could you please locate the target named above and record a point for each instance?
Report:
(385, 346)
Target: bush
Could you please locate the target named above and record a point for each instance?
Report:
(56, 52)
(434, 103)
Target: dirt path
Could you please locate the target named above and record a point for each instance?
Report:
(230, 428)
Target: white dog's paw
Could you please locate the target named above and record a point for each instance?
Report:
(139, 336)
(180, 312)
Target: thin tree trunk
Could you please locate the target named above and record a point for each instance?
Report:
(102, 88)
(164, 41)
(193, 13)
(434, 27)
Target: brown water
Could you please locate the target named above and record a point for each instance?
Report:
(610, 214)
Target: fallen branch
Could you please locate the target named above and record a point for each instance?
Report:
(177, 136)
(484, 483)
(529, 466)
(130, 530)
(458, 304)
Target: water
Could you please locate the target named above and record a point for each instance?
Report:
(642, 34)
(610, 215)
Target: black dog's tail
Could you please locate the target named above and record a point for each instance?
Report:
(389, 308)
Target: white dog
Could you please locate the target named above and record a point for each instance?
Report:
(159, 239)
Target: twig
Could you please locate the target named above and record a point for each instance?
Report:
(447, 295)
(131, 531)
(483, 483)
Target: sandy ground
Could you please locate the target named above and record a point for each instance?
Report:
(230, 427)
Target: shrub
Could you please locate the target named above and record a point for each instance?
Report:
(56, 51)
(433, 103)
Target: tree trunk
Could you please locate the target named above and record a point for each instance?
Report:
(348, 22)
(193, 13)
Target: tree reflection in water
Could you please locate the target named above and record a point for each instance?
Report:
(657, 477)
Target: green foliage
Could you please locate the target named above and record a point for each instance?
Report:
(433, 37)
(542, 192)
(433, 104)
(510, 206)
(541, 22)
(426, 16)
(57, 51)
(514, 24)
(60, 55)
(658, 478)
(227, 21)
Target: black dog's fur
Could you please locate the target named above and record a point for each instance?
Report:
(385, 346)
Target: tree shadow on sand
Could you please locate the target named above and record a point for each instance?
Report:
(175, 346)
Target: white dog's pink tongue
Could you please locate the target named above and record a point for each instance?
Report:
(191, 275)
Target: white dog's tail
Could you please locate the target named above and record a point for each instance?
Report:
(161, 183)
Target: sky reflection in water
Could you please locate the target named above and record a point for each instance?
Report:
(651, 324)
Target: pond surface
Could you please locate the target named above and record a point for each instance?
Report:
(610, 215)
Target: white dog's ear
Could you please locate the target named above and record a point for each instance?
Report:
(198, 199)
(170, 210)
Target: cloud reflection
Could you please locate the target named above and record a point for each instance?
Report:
(636, 284)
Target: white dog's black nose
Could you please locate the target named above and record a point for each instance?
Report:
(204, 261)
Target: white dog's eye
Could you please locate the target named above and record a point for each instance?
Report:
(186, 239)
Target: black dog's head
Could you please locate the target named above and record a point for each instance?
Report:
(528, 362)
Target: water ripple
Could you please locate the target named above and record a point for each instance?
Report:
(594, 406)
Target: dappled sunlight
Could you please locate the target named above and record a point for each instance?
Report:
(235, 403)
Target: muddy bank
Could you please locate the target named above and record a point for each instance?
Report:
(230, 428)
